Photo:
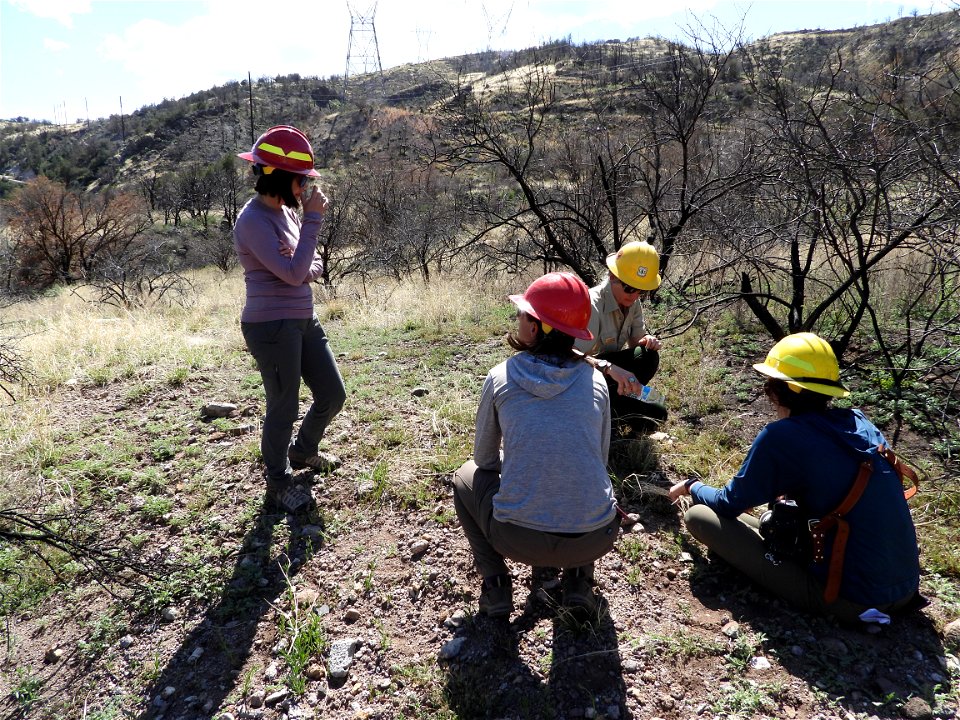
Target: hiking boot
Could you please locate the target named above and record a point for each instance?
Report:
(547, 578)
(288, 497)
(496, 596)
(322, 462)
(578, 595)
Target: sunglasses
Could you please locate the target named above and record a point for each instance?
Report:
(627, 288)
(303, 180)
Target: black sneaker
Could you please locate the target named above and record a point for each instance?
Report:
(289, 498)
(322, 462)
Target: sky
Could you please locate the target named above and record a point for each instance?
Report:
(73, 60)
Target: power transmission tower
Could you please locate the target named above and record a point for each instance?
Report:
(363, 52)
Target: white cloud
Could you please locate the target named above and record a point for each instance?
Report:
(60, 10)
(54, 46)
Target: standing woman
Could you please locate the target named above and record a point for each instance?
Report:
(546, 499)
(277, 250)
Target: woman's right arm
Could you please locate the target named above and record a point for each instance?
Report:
(260, 238)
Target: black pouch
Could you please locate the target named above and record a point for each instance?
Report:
(786, 533)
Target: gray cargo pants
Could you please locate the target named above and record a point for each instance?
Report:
(285, 351)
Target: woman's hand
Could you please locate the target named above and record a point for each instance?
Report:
(285, 250)
(678, 491)
(627, 383)
(315, 201)
(650, 342)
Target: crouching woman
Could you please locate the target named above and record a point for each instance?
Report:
(815, 455)
(546, 500)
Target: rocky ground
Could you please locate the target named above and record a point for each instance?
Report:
(365, 609)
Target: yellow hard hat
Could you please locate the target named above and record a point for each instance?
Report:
(805, 361)
(636, 264)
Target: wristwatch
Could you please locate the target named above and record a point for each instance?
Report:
(602, 365)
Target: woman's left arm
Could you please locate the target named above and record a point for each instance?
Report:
(486, 443)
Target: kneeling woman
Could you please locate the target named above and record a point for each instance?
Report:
(812, 454)
(547, 500)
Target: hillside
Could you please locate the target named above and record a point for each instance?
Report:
(347, 128)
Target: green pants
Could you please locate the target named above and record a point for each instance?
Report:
(738, 541)
(491, 540)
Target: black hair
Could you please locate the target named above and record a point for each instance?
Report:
(553, 344)
(279, 184)
(797, 403)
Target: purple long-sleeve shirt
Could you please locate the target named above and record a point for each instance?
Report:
(278, 287)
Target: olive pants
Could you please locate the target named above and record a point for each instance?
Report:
(491, 540)
(738, 541)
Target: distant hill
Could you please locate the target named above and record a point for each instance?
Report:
(347, 123)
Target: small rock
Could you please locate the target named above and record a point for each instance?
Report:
(686, 557)
(419, 391)
(351, 615)
(383, 684)
(630, 666)
(759, 663)
(168, 692)
(666, 702)
(244, 429)
(195, 655)
(312, 532)
(731, 629)
(455, 620)
(341, 656)
(226, 716)
(951, 636)
(218, 409)
(275, 697)
(255, 700)
(306, 597)
(671, 574)
(316, 671)
(659, 436)
(916, 709)
(169, 614)
(452, 648)
(53, 655)
(613, 712)
(126, 641)
(589, 713)
(796, 651)
(271, 673)
(419, 547)
(834, 646)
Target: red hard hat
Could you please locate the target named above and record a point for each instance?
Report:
(559, 299)
(285, 148)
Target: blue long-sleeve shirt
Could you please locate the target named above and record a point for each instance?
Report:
(814, 459)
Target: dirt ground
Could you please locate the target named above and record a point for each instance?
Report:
(681, 636)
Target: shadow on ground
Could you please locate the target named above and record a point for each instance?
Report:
(863, 669)
(204, 671)
(579, 667)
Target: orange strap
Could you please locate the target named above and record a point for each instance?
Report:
(835, 519)
(903, 470)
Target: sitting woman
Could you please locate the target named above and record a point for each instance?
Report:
(813, 454)
(547, 499)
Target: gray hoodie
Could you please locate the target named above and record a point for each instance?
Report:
(554, 422)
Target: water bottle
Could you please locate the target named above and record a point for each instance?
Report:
(650, 395)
